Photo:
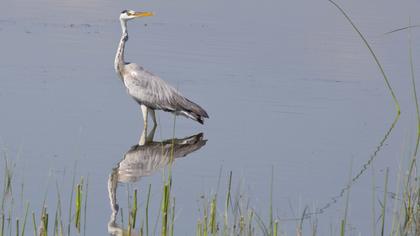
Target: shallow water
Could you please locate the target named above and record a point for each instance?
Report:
(287, 85)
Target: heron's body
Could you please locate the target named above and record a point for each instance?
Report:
(150, 91)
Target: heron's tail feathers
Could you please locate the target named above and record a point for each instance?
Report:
(194, 111)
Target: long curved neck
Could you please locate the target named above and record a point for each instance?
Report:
(119, 57)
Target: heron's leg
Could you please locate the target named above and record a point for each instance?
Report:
(144, 110)
(149, 137)
(153, 117)
(151, 134)
(146, 138)
(142, 140)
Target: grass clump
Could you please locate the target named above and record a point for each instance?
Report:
(237, 217)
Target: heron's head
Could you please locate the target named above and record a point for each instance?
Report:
(129, 14)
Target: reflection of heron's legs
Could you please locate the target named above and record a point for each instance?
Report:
(112, 194)
(144, 110)
(153, 116)
(151, 134)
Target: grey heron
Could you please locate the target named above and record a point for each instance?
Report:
(147, 89)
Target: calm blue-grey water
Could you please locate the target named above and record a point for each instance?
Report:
(288, 85)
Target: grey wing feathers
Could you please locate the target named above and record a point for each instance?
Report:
(153, 92)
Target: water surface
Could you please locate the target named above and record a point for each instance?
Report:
(287, 85)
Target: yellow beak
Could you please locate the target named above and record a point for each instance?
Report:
(143, 14)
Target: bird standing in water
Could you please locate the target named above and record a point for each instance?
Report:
(150, 91)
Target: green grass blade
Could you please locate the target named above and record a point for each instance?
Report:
(213, 213)
(227, 204)
(276, 225)
(71, 199)
(171, 232)
(344, 221)
(17, 227)
(199, 228)
(402, 28)
(2, 225)
(78, 207)
(384, 203)
(250, 220)
(60, 212)
(261, 224)
(397, 105)
(165, 207)
(134, 210)
(271, 201)
(85, 206)
(44, 222)
(34, 224)
(413, 82)
(25, 218)
(147, 210)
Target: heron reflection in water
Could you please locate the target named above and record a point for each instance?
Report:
(144, 160)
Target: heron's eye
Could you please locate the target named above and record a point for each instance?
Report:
(125, 11)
